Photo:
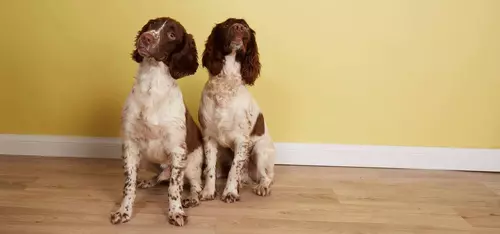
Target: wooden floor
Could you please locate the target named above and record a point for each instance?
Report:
(64, 195)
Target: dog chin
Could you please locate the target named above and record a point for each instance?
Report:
(235, 46)
(143, 52)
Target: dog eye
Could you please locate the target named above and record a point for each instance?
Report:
(171, 35)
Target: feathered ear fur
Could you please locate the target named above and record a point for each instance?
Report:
(250, 63)
(213, 59)
(135, 55)
(184, 62)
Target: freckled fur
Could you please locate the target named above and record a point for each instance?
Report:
(228, 114)
(154, 123)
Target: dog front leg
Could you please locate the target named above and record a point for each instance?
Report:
(210, 147)
(241, 157)
(131, 158)
(176, 214)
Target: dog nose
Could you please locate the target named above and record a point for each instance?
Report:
(238, 28)
(147, 39)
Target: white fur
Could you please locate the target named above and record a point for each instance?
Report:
(229, 112)
(154, 129)
(158, 98)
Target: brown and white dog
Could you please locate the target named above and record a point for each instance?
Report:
(156, 125)
(228, 114)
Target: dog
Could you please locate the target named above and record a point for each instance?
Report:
(228, 114)
(156, 125)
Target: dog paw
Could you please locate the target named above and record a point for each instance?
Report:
(144, 184)
(230, 197)
(190, 202)
(178, 218)
(120, 217)
(246, 180)
(262, 190)
(207, 195)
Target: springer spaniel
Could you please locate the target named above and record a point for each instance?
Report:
(228, 114)
(156, 124)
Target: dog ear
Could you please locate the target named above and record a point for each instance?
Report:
(213, 58)
(185, 61)
(250, 65)
(135, 55)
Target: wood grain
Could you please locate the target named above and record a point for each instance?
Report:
(70, 195)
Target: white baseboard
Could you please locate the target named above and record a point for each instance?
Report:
(287, 153)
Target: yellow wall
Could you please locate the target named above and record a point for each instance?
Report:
(392, 72)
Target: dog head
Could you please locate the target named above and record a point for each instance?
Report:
(233, 36)
(165, 39)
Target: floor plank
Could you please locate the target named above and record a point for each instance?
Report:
(70, 195)
(481, 217)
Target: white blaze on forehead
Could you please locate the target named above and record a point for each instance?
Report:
(156, 32)
(163, 25)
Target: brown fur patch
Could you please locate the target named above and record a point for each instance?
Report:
(194, 138)
(258, 127)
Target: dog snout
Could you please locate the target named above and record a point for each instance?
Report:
(147, 39)
(238, 29)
